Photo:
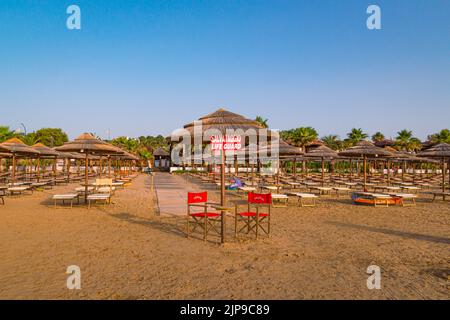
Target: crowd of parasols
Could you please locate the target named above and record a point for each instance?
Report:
(85, 148)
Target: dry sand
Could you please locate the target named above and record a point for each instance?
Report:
(125, 251)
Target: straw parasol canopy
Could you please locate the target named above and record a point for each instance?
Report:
(224, 120)
(45, 151)
(282, 150)
(322, 152)
(17, 148)
(365, 149)
(88, 144)
(442, 151)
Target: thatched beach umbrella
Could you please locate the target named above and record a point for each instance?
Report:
(44, 152)
(365, 149)
(17, 148)
(220, 121)
(441, 151)
(88, 144)
(281, 150)
(322, 152)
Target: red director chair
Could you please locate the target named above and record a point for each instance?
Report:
(203, 219)
(254, 219)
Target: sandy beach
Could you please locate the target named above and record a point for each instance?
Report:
(126, 251)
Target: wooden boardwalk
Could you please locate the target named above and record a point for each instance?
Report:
(171, 191)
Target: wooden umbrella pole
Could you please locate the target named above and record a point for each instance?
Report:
(448, 166)
(38, 169)
(323, 171)
(68, 169)
(278, 172)
(101, 167)
(54, 170)
(351, 170)
(365, 173)
(295, 169)
(13, 178)
(403, 171)
(388, 172)
(222, 179)
(86, 173)
(109, 167)
(443, 174)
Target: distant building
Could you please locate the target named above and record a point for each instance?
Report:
(161, 159)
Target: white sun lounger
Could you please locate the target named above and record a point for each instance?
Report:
(302, 196)
(106, 197)
(279, 200)
(19, 190)
(66, 197)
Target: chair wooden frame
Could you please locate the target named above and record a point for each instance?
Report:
(204, 219)
(254, 220)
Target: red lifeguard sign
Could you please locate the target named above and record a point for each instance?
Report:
(225, 143)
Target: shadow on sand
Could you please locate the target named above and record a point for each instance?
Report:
(407, 235)
(163, 226)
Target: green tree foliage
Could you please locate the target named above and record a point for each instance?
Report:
(30, 138)
(332, 141)
(355, 135)
(263, 122)
(300, 137)
(142, 146)
(406, 141)
(6, 133)
(442, 136)
(378, 136)
(51, 137)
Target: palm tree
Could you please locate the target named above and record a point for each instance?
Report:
(6, 133)
(415, 145)
(332, 141)
(442, 136)
(378, 136)
(356, 135)
(300, 137)
(403, 139)
(30, 139)
(263, 122)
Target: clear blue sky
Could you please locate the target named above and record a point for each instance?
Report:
(148, 67)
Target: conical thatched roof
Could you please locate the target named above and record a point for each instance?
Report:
(16, 146)
(284, 149)
(396, 154)
(160, 152)
(365, 149)
(222, 120)
(45, 151)
(441, 150)
(322, 152)
(88, 143)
